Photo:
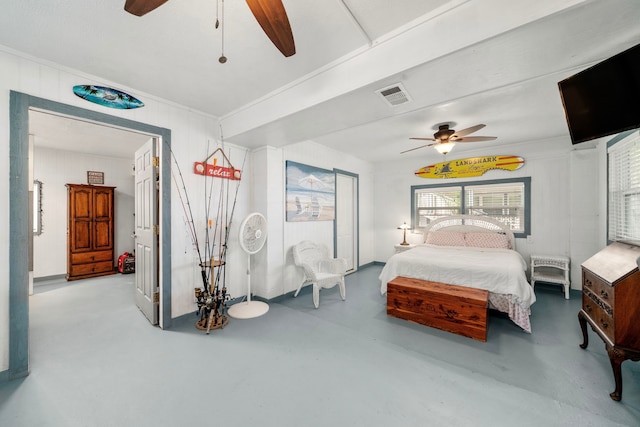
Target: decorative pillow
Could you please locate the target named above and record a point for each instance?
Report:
(445, 238)
(487, 240)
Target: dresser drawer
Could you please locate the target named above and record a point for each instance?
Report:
(600, 313)
(85, 269)
(91, 257)
(598, 287)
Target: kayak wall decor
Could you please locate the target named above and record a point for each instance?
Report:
(107, 97)
(470, 167)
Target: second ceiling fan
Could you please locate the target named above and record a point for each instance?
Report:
(270, 14)
(445, 138)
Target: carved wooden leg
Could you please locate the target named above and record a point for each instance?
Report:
(616, 357)
(583, 326)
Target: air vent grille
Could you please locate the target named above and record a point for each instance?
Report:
(395, 94)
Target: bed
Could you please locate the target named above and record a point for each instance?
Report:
(472, 251)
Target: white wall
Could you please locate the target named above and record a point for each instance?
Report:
(202, 195)
(191, 134)
(587, 236)
(55, 168)
(273, 270)
(384, 190)
(555, 182)
(193, 137)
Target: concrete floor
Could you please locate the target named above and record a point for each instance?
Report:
(96, 361)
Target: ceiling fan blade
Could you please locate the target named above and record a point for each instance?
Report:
(142, 7)
(475, 139)
(467, 131)
(273, 19)
(422, 146)
(424, 139)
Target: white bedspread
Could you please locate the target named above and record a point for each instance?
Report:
(500, 271)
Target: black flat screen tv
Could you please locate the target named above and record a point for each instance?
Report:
(603, 99)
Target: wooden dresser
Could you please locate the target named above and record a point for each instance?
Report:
(89, 231)
(610, 301)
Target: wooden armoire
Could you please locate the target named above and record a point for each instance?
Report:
(90, 251)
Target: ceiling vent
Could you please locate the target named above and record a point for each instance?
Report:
(395, 94)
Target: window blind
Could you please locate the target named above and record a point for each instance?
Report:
(432, 203)
(504, 202)
(624, 190)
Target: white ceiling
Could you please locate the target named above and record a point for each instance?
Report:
(495, 62)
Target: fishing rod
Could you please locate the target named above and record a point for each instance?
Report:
(233, 208)
(186, 206)
(226, 221)
(208, 198)
(223, 243)
(219, 215)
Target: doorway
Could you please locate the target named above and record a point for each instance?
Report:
(346, 224)
(20, 229)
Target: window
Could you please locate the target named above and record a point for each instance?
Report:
(506, 200)
(624, 188)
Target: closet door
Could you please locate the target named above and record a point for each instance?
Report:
(346, 223)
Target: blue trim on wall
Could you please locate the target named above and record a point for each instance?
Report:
(20, 104)
(18, 236)
(335, 226)
(527, 198)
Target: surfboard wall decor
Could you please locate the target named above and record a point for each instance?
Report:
(470, 167)
(108, 97)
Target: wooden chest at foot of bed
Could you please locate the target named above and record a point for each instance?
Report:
(452, 308)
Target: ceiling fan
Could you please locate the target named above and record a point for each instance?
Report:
(270, 14)
(446, 138)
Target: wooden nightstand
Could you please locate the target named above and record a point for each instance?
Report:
(551, 269)
(401, 248)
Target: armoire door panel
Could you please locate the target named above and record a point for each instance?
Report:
(102, 204)
(82, 204)
(103, 238)
(81, 236)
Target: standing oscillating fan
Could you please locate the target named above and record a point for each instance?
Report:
(253, 234)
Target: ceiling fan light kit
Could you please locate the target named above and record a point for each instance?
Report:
(444, 147)
(445, 138)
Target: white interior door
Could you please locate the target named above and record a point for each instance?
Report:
(347, 220)
(146, 237)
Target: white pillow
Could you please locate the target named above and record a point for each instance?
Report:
(445, 238)
(487, 240)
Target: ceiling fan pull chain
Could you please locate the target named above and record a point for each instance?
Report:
(222, 58)
(217, 20)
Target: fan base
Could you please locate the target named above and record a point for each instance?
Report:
(248, 310)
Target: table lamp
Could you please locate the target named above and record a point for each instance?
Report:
(404, 227)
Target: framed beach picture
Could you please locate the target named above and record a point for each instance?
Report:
(311, 193)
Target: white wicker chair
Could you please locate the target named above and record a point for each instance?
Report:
(319, 269)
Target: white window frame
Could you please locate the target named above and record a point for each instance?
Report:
(623, 188)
